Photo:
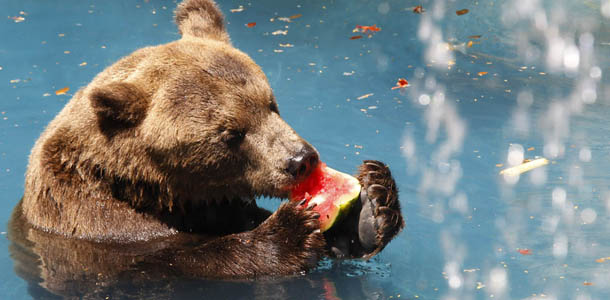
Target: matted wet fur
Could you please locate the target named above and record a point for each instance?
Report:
(163, 154)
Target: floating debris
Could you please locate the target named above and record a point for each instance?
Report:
(238, 9)
(365, 29)
(527, 166)
(287, 45)
(460, 47)
(62, 91)
(401, 83)
(482, 73)
(17, 19)
(365, 96)
(462, 12)
(282, 32)
(602, 259)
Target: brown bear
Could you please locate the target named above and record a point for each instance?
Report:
(156, 164)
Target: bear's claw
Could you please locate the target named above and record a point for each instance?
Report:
(292, 228)
(380, 212)
(373, 221)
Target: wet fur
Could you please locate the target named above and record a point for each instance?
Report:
(139, 173)
(265, 245)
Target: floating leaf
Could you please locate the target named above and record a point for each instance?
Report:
(525, 251)
(462, 12)
(401, 83)
(482, 73)
(478, 36)
(62, 91)
(250, 25)
(365, 29)
(296, 16)
(355, 37)
(418, 9)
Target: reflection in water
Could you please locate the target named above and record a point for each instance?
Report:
(56, 267)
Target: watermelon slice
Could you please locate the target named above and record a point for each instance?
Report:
(331, 191)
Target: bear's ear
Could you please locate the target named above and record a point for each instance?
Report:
(118, 106)
(201, 18)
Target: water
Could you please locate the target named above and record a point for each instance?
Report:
(444, 137)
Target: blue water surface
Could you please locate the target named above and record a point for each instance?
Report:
(336, 93)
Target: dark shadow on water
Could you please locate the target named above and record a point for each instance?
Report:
(56, 268)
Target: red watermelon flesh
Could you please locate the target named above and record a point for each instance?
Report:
(332, 192)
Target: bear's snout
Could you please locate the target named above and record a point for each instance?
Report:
(303, 162)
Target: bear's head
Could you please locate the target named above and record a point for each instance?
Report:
(196, 116)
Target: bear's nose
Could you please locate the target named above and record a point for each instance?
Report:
(301, 165)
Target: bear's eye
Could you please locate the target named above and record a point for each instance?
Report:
(233, 137)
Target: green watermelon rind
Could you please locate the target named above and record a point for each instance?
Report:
(344, 202)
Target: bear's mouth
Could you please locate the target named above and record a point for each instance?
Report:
(285, 191)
